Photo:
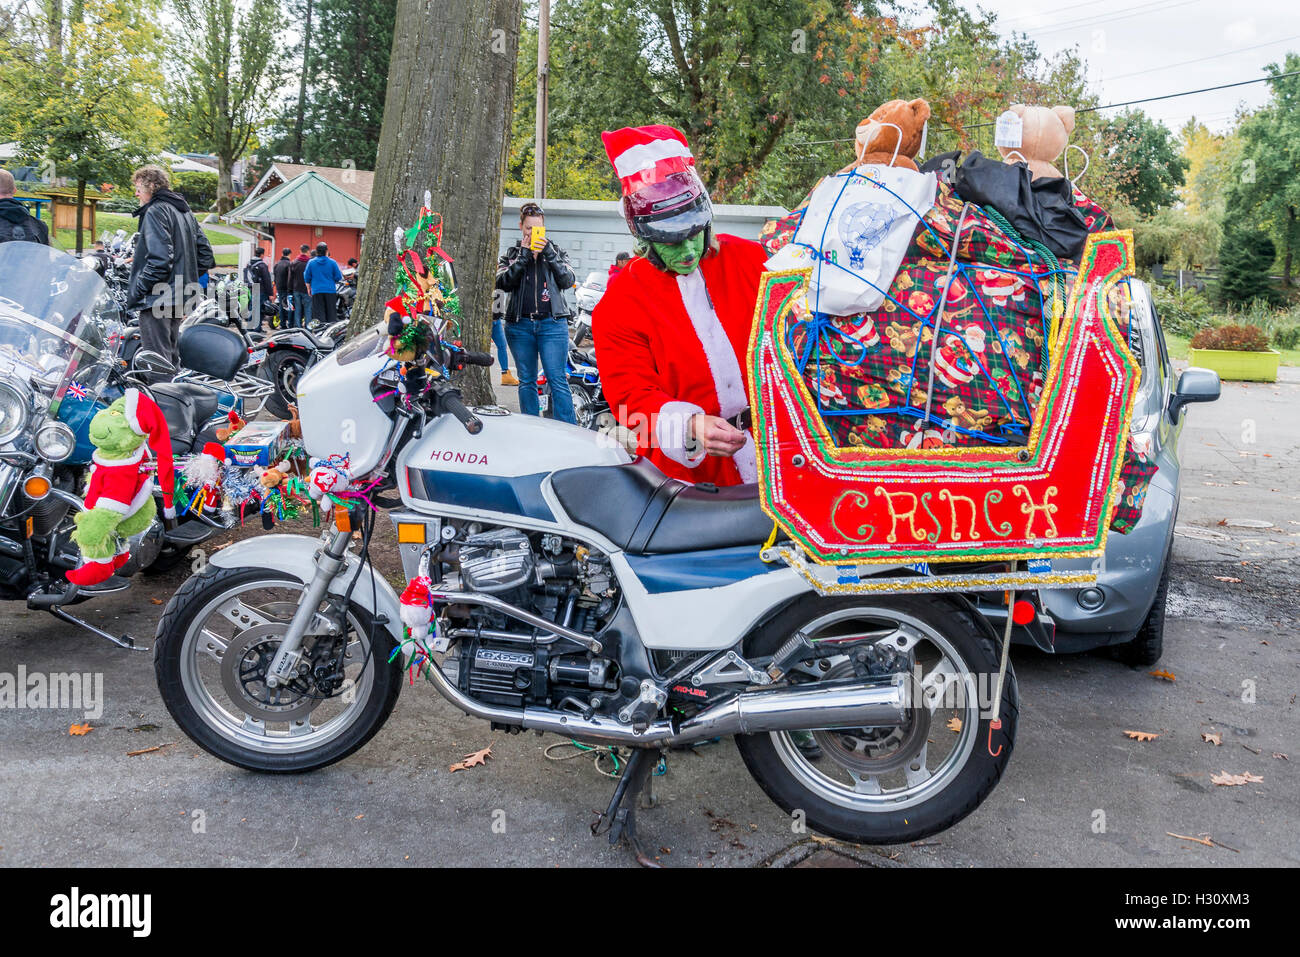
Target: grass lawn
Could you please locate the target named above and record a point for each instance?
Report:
(1181, 348)
(112, 222)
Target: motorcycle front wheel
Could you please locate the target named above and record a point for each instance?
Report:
(901, 784)
(214, 643)
(284, 369)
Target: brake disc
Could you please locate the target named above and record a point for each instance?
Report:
(243, 674)
(874, 750)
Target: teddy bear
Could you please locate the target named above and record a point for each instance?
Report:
(1044, 135)
(877, 139)
(966, 417)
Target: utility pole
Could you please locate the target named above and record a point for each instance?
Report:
(543, 69)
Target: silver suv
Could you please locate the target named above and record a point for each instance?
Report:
(1125, 609)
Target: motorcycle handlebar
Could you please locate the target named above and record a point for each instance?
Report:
(477, 358)
(451, 403)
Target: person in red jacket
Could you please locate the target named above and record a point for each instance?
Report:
(672, 329)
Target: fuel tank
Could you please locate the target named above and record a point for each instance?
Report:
(502, 468)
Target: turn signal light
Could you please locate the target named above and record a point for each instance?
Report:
(410, 533)
(342, 519)
(36, 487)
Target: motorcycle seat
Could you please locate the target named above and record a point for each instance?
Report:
(201, 397)
(644, 512)
(178, 410)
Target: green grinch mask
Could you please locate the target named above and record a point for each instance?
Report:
(683, 257)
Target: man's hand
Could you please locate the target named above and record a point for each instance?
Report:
(716, 436)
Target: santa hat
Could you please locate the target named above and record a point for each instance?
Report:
(145, 418)
(415, 611)
(643, 155)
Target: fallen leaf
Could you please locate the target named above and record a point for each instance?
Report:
(478, 757)
(1223, 521)
(1162, 674)
(1224, 779)
(156, 747)
(1212, 737)
(954, 725)
(1142, 735)
(1280, 756)
(156, 601)
(80, 729)
(358, 817)
(1227, 578)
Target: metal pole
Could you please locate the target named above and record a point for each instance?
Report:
(543, 69)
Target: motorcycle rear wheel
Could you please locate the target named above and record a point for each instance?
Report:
(221, 703)
(890, 786)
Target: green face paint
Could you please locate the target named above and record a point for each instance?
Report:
(682, 257)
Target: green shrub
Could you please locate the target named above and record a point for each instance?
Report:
(1181, 314)
(1234, 338)
(1245, 259)
(1287, 337)
(199, 189)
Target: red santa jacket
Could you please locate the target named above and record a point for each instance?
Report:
(119, 485)
(670, 347)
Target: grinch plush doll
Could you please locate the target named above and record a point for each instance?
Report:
(119, 502)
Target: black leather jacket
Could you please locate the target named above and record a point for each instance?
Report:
(170, 252)
(555, 265)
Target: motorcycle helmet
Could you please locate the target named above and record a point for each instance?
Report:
(664, 200)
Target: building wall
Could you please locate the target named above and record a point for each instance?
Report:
(593, 232)
(344, 243)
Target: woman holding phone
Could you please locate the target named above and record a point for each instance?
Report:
(535, 271)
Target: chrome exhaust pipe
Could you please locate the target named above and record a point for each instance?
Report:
(853, 703)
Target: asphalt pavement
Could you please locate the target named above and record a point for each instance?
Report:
(1077, 790)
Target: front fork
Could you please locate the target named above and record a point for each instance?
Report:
(329, 562)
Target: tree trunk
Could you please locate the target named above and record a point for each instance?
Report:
(224, 185)
(1290, 236)
(446, 130)
(302, 85)
(81, 202)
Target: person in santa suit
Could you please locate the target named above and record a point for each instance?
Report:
(672, 329)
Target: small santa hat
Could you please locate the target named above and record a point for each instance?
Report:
(642, 155)
(415, 611)
(145, 418)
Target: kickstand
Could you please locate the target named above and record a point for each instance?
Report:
(619, 818)
(125, 641)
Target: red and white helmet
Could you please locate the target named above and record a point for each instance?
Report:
(664, 200)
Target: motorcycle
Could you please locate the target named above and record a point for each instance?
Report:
(590, 407)
(587, 296)
(59, 369)
(288, 354)
(558, 585)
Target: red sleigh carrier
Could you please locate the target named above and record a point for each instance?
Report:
(970, 518)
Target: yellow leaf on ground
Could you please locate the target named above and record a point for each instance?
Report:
(1142, 735)
(478, 757)
(80, 729)
(1225, 779)
(1212, 737)
(1162, 674)
(954, 725)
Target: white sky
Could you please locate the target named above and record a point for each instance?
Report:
(1155, 39)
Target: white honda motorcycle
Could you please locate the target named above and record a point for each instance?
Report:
(579, 592)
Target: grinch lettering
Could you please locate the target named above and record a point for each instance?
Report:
(943, 516)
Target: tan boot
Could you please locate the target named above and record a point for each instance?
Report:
(508, 378)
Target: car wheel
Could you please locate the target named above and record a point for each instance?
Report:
(1149, 644)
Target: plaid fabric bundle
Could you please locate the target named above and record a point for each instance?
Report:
(913, 375)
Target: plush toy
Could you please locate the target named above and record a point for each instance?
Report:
(226, 431)
(426, 294)
(415, 611)
(1044, 135)
(328, 477)
(119, 502)
(892, 135)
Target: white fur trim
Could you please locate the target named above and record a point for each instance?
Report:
(169, 511)
(113, 505)
(132, 397)
(132, 459)
(634, 159)
(746, 461)
(671, 430)
(727, 379)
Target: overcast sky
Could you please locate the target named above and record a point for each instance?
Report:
(1141, 48)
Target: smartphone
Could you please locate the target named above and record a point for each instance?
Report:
(538, 238)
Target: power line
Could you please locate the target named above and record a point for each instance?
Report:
(1202, 59)
(1095, 20)
(1087, 109)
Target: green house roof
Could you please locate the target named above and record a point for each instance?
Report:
(308, 200)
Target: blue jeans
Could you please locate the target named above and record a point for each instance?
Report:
(301, 309)
(548, 338)
(499, 340)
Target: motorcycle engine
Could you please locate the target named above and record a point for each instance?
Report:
(496, 561)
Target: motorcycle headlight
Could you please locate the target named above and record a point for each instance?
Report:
(54, 441)
(14, 409)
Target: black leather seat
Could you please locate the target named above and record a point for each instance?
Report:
(201, 397)
(178, 410)
(645, 512)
